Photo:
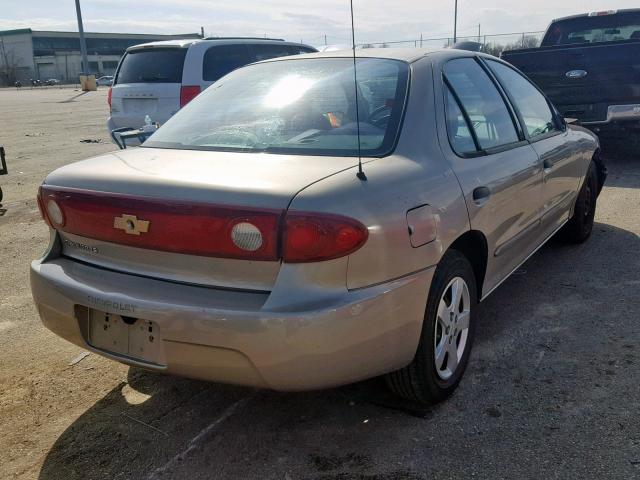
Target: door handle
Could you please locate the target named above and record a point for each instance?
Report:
(481, 195)
(547, 165)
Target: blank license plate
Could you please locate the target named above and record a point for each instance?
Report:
(136, 338)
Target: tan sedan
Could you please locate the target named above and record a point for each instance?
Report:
(285, 230)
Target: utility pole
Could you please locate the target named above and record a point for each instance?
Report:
(455, 23)
(479, 26)
(325, 40)
(83, 43)
(201, 32)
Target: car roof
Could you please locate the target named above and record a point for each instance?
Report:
(407, 55)
(185, 43)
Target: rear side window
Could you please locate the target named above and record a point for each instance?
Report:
(489, 116)
(533, 107)
(153, 65)
(266, 51)
(457, 127)
(223, 59)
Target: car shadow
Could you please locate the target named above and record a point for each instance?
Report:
(156, 426)
(623, 166)
(73, 98)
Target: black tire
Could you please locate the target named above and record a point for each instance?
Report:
(419, 381)
(579, 228)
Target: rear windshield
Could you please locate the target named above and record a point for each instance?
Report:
(596, 29)
(153, 65)
(304, 106)
(222, 59)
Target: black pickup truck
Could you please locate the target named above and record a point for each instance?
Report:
(589, 66)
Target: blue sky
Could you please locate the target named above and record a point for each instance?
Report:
(376, 20)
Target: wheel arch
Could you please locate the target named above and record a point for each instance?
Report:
(601, 168)
(473, 245)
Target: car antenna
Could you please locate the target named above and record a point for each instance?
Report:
(360, 173)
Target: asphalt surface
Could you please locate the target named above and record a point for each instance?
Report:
(552, 389)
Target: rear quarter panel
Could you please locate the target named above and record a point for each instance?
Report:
(415, 175)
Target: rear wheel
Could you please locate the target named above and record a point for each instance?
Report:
(447, 335)
(579, 228)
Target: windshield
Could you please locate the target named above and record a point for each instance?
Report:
(304, 106)
(595, 29)
(152, 65)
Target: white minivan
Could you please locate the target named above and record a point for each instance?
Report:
(158, 78)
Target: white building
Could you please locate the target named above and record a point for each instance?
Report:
(27, 54)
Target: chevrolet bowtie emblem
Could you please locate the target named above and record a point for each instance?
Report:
(131, 225)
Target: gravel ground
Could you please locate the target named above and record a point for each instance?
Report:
(552, 390)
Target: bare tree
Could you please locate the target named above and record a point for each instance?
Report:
(527, 41)
(8, 65)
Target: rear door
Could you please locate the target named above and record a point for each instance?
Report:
(147, 82)
(552, 142)
(499, 172)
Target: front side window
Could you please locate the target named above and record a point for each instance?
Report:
(304, 106)
(487, 111)
(532, 105)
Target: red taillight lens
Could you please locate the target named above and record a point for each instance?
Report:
(319, 237)
(200, 229)
(43, 212)
(109, 97)
(171, 226)
(188, 93)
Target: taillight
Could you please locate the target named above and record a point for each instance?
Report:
(109, 96)
(50, 210)
(158, 224)
(201, 229)
(188, 93)
(315, 237)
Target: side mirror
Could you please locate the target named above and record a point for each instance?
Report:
(571, 121)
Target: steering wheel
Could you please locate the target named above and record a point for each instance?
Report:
(380, 116)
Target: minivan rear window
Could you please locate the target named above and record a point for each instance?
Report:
(152, 65)
(222, 59)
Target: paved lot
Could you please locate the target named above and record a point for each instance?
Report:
(552, 390)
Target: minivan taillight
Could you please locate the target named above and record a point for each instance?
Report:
(201, 229)
(109, 96)
(188, 93)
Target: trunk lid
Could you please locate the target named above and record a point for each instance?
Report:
(250, 181)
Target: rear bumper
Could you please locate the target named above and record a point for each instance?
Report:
(618, 113)
(233, 337)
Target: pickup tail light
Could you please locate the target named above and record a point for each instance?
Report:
(201, 229)
(109, 97)
(602, 13)
(188, 93)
